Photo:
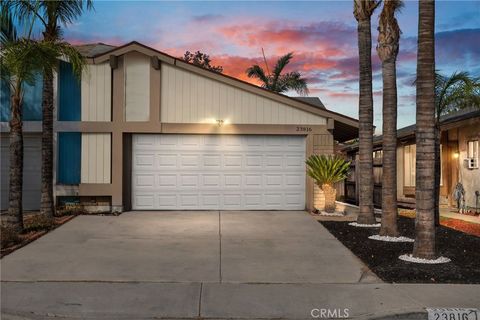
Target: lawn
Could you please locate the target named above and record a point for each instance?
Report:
(382, 257)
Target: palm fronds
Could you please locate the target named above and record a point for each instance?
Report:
(326, 169)
(278, 82)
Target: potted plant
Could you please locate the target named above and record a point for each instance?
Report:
(326, 171)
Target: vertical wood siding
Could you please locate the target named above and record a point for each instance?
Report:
(97, 93)
(137, 87)
(190, 98)
(69, 94)
(96, 157)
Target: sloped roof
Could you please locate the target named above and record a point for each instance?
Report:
(91, 50)
(409, 131)
(315, 101)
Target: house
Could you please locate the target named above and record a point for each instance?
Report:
(460, 135)
(143, 130)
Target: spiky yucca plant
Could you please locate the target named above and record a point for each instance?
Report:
(326, 171)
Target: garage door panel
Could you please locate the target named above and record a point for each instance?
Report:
(219, 172)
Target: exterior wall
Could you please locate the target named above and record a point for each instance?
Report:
(321, 144)
(97, 93)
(470, 178)
(191, 98)
(32, 100)
(32, 149)
(96, 158)
(137, 87)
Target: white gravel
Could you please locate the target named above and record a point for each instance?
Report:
(334, 214)
(410, 258)
(360, 225)
(390, 239)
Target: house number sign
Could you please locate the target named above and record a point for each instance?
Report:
(453, 314)
(304, 129)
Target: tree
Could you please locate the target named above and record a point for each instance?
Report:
(424, 246)
(52, 14)
(363, 10)
(278, 82)
(453, 93)
(202, 60)
(387, 49)
(326, 171)
(22, 58)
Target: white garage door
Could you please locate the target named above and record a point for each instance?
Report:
(32, 165)
(228, 172)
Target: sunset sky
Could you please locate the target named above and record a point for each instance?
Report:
(322, 35)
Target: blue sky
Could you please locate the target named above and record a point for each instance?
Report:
(322, 35)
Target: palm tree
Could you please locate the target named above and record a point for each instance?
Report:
(22, 58)
(278, 82)
(326, 171)
(387, 49)
(363, 10)
(453, 93)
(52, 14)
(424, 246)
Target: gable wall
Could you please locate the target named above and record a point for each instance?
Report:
(191, 98)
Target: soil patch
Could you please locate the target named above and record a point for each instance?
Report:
(382, 257)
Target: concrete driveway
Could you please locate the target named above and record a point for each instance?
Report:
(204, 246)
(203, 265)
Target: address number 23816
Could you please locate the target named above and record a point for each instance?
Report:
(304, 129)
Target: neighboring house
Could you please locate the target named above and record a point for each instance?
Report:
(146, 131)
(460, 135)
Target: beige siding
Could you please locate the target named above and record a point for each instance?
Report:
(96, 157)
(96, 93)
(137, 87)
(322, 144)
(191, 98)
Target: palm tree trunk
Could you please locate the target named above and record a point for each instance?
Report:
(365, 176)
(389, 173)
(330, 194)
(46, 203)
(15, 209)
(424, 246)
(438, 169)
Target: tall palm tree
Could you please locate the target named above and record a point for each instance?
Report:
(458, 91)
(424, 246)
(363, 10)
(22, 58)
(278, 82)
(52, 14)
(387, 49)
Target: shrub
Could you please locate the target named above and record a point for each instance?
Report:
(37, 222)
(8, 236)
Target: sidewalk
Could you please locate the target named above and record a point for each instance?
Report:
(65, 300)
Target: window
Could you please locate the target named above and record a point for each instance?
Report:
(69, 95)
(409, 158)
(69, 157)
(472, 151)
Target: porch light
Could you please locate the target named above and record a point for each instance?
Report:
(456, 154)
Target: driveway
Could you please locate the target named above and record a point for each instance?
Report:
(202, 246)
(203, 265)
